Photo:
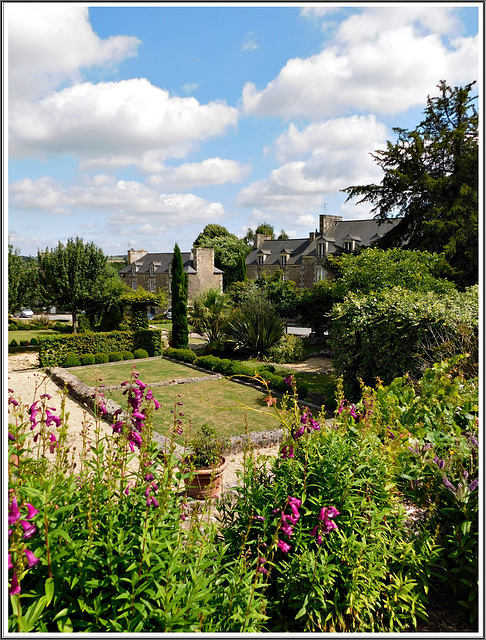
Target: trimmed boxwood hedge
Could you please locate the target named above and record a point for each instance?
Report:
(53, 349)
(238, 369)
(101, 358)
(140, 353)
(87, 359)
(380, 334)
(185, 355)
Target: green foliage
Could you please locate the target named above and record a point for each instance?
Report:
(255, 326)
(289, 348)
(206, 448)
(140, 353)
(379, 335)
(283, 294)
(22, 281)
(208, 314)
(431, 180)
(117, 356)
(127, 355)
(72, 275)
(228, 251)
(13, 343)
(180, 327)
(101, 358)
(184, 355)
(375, 269)
(34, 342)
(87, 359)
(71, 360)
(138, 300)
(83, 323)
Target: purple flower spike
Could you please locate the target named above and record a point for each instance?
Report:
(29, 529)
(288, 380)
(448, 484)
(13, 513)
(10, 565)
(31, 559)
(287, 452)
(11, 437)
(155, 502)
(283, 546)
(13, 401)
(474, 485)
(14, 585)
(261, 518)
(31, 511)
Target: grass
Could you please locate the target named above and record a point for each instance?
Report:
(28, 334)
(218, 403)
(150, 371)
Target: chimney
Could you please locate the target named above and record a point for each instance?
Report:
(259, 239)
(326, 221)
(134, 255)
(312, 235)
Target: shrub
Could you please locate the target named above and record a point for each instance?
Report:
(256, 326)
(127, 355)
(24, 343)
(87, 358)
(13, 343)
(34, 341)
(289, 348)
(101, 358)
(83, 323)
(185, 355)
(71, 360)
(116, 356)
(140, 353)
(12, 326)
(379, 335)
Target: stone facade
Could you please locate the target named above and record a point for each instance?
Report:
(302, 260)
(152, 271)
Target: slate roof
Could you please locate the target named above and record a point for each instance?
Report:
(363, 232)
(162, 263)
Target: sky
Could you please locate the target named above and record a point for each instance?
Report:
(136, 126)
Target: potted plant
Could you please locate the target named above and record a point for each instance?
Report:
(205, 464)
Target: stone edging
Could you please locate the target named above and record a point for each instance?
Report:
(86, 396)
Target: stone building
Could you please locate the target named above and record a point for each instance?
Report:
(302, 260)
(152, 271)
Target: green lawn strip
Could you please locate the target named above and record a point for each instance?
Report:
(223, 404)
(29, 334)
(150, 371)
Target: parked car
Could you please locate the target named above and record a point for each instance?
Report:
(26, 313)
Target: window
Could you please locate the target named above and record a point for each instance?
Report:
(283, 276)
(321, 274)
(283, 260)
(134, 270)
(260, 261)
(134, 285)
(151, 269)
(348, 246)
(152, 286)
(321, 249)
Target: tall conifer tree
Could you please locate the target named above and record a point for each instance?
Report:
(180, 327)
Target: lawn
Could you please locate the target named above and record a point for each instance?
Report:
(218, 403)
(29, 334)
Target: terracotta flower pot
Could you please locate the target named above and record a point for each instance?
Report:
(205, 483)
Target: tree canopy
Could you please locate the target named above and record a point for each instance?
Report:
(430, 183)
(228, 251)
(73, 274)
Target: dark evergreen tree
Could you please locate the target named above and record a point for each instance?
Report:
(180, 327)
(431, 183)
(240, 274)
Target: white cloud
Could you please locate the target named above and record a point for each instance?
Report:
(130, 204)
(250, 43)
(337, 155)
(385, 60)
(117, 123)
(212, 171)
(49, 44)
(190, 87)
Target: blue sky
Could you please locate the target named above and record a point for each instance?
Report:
(135, 126)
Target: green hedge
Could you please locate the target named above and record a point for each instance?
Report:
(380, 335)
(185, 355)
(53, 349)
(238, 369)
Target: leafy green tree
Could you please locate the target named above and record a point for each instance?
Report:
(16, 280)
(283, 294)
(138, 301)
(228, 250)
(180, 327)
(430, 183)
(208, 314)
(266, 229)
(282, 235)
(71, 275)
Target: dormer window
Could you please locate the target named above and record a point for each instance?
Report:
(260, 260)
(134, 270)
(349, 245)
(151, 269)
(321, 249)
(283, 260)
